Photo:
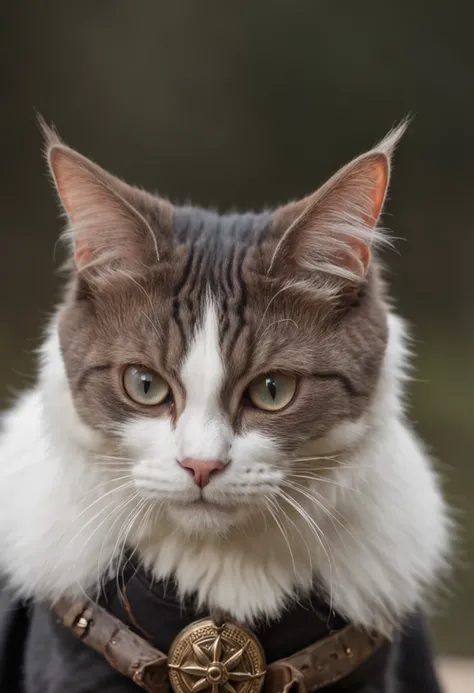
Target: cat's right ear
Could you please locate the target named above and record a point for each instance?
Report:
(324, 241)
(106, 228)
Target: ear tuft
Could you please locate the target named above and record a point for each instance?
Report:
(328, 235)
(49, 133)
(391, 140)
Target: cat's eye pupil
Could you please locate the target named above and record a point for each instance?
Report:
(146, 382)
(271, 391)
(271, 387)
(145, 386)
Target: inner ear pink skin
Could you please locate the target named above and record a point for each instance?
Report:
(361, 254)
(380, 175)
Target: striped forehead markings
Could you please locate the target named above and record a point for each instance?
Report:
(216, 251)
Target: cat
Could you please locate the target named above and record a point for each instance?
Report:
(221, 398)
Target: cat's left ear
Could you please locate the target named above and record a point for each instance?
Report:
(328, 235)
(108, 222)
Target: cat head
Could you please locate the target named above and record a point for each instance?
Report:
(222, 358)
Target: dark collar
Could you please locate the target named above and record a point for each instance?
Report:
(153, 611)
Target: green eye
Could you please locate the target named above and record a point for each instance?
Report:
(145, 386)
(272, 391)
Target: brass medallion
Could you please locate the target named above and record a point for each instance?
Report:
(216, 658)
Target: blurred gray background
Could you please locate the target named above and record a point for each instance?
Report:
(245, 104)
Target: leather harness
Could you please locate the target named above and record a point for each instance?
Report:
(326, 661)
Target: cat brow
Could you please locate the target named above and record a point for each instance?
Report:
(344, 379)
(88, 371)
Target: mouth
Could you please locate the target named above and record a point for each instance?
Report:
(203, 503)
(205, 515)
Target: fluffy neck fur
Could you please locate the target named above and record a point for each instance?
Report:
(382, 539)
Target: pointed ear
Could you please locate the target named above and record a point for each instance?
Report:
(106, 229)
(328, 235)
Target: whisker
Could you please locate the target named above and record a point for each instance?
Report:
(155, 327)
(121, 507)
(332, 517)
(271, 509)
(113, 565)
(284, 288)
(287, 517)
(104, 495)
(108, 516)
(262, 512)
(317, 500)
(126, 529)
(318, 533)
(272, 324)
(116, 510)
(93, 490)
(311, 458)
(113, 457)
(110, 468)
(303, 464)
(141, 526)
(142, 288)
(325, 480)
(98, 513)
(311, 469)
(113, 479)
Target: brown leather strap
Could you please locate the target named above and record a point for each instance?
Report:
(125, 651)
(324, 662)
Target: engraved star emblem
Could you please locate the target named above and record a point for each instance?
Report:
(212, 672)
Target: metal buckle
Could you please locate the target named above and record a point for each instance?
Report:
(216, 657)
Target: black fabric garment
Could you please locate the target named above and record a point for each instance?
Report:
(14, 627)
(37, 655)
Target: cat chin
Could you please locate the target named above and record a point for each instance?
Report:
(204, 517)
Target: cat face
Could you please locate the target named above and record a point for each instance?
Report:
(221, 357)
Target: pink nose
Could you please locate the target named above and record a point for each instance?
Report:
(201, 470)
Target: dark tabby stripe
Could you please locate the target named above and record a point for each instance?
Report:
(217, 248)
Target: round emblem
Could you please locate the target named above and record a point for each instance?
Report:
(216, 658)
